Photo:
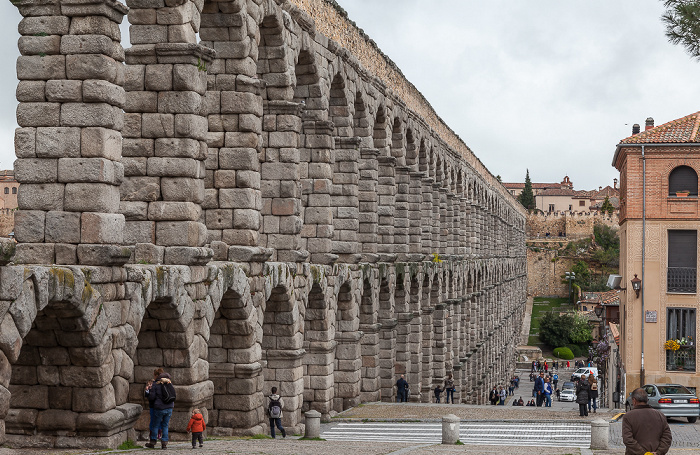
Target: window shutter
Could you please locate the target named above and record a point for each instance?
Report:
(682, 248)
(683, 178)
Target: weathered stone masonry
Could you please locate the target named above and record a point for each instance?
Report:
(247, 201)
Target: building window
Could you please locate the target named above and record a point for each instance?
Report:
(14, 190)
(682, 261)
(581, 203)
(683, 178)
(551, 207)
(680, 336)
(7, 190)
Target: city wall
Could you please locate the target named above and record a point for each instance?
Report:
(572, 225)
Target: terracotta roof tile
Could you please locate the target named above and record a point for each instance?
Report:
(682, 130)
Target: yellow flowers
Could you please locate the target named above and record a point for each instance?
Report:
(672, 345)
(436, 258)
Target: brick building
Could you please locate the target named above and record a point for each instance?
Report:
(659, 216)
(8, 190)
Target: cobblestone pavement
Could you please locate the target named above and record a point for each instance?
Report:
(684, 434)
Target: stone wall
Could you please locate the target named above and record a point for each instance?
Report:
(545, 270)
(261, 208)
(572, 225)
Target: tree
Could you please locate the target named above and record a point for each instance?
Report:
(555, 329)
(527, 197)
(580, 332)
(682, 19)
(607, 206)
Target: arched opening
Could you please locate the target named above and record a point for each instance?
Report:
(319, 345)
(415, 339)
(234, 367)
(282, 353)
(339, 110)
(272, 66)
(347, 369)
(370, 344)
(683, 180)
(387, 340)
(427, 342)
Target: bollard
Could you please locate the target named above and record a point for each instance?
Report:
(313, 424)
(600, 432)
(450, 429)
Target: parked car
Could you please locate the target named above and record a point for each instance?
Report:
(584, 371)
(567, 395)
(673, 400)
(568, 385)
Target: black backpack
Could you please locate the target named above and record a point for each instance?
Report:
(167, 392)
(274, 409)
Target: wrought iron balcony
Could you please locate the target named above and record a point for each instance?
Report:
(682, 279)
(681, 360)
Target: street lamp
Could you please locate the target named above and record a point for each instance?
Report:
(636, 284)
(570, 276)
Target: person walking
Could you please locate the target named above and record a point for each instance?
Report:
(401, 390)
(161, 398)
(547, 393)
(555, 380)
(437, 391)
(493, 396)
(644, 429)
(582, 396)
(502, 395)
(197, 427)
(592, 393)
(449, 389)
(539, 389)
(274, 412)
(147, 392)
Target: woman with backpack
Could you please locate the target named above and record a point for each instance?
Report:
(161, 398)
(592, 393)
(450, 389)
(274, 412)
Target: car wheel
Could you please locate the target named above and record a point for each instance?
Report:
(692, 419)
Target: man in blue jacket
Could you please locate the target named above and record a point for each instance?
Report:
(539, 389)
(162, 410)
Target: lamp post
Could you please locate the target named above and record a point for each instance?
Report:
(570, 276)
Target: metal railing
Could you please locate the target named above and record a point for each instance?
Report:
(681, 360)
(682, 279)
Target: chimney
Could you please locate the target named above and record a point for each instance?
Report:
(635, 129)
(649, 124)
(615, 183)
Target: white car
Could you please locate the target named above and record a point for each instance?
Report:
(567, 395)
(587, 371)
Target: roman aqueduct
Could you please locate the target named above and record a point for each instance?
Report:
(251, 195)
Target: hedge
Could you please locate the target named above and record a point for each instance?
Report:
(575, 350)
(564, 353)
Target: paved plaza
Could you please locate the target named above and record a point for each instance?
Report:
(401, 428)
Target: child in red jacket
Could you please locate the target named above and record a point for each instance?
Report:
(197, 427)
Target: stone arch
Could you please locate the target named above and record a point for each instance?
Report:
(57, 336)
(387, 337)
(173, 335)
(361, 121)
(234, 365)
(282, 351)
(414, 374)
(427, 310)
(379, 134)
(307, 86)
(339, 109)
(398, 145)
(348, 362)
(319, 344)
(272, 63)
(369, 325)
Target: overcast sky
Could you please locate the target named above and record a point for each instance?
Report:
(548, 85)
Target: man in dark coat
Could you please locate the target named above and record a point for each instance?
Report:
(161, 411)
(401, 389)
(644, 429)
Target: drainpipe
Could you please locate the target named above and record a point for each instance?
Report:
(644, 237)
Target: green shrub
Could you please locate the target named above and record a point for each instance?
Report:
(564, 353)
(575, 350)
